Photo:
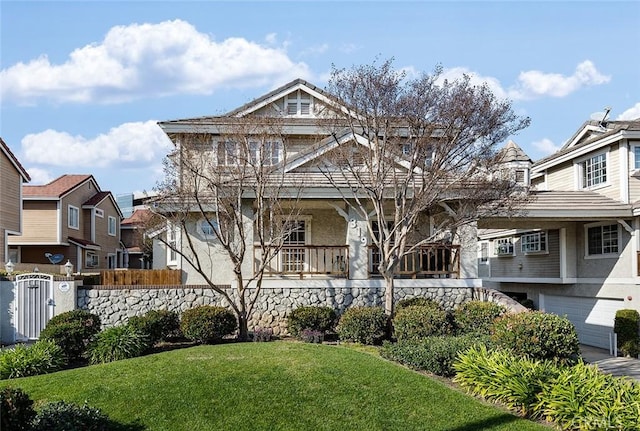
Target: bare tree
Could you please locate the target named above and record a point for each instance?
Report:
(415, 148)
(230, 190)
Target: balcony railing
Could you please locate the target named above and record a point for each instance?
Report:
(428, 261)
(301, 260)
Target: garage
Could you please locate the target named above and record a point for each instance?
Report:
(592, 317)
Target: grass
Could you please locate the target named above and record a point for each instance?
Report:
(268, 386)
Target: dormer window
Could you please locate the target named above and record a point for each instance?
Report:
(298, 103)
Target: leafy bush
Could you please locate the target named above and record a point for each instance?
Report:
(63, 416)
(311, 336)
(537, 335)
(366, 325)
(44, 356)
(16, 410)
(207, 323)
(418, 300)
(626, 325)
(415, 322)
(477, 316)
(262, 334)
(433, 354)
(316, 318)
(158, 325)
(500, 376)
(116, 343)
(581, 397)
(72, 331)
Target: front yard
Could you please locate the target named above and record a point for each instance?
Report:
(268, 386)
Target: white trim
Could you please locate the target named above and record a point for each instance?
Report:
(69, 211)
(115, 226)
(562, 237)
(578, 166)
(586, 227)
(623, 149)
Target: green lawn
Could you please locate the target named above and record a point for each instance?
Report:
(269, 386)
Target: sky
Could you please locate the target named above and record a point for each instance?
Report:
(83, 84)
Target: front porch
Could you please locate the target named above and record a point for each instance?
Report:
(437, 260)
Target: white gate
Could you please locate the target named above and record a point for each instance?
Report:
(34, 304)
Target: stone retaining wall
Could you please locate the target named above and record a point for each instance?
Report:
(115, 304)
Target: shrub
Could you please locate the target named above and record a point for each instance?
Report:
(416, 322)
(63, 416)
(116, 343)
(433, 354)
(44, 356)
(366, 325)
(418, 300)
(537, 335)
(500, 376)
(262, 334)
(477, 316)
(158, 325)
(72, 331)
(316, 318)
(207, 323)
(16, 410)
(311, 336)
(581, 397)
(626, 325)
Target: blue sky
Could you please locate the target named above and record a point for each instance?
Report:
(82, 84)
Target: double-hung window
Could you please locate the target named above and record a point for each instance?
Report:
(265, 153)
(636, 157)
(504, 247)
(73, 217)
(112, 226)
(227, 153)
(602, 240)
(535, 242)
(593, 171)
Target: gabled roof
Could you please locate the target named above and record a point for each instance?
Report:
(589, 138)
(95, 199)
(58, 187)
(14, 160)
(139, 216)
(84, 243)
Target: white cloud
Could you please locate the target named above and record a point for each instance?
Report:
(546, 146)
(315, 50)
(132, 144)
(39, 176)
(632, 113)
(534, 83)
(476, 79)
(141, 60)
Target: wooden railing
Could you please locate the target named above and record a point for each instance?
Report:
(428, 261)
(141, 277)
(304, 260)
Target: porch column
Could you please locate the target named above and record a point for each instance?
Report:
(358, 241)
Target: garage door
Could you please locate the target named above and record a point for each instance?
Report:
(592, 317)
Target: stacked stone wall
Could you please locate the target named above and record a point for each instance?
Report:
(115, 304)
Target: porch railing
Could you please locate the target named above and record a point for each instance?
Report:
(301, 260)
(428, 261)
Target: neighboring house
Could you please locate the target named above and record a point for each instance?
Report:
(12, 177)
(329, 246)
(69, 219)
(574, 250)
(132, 231)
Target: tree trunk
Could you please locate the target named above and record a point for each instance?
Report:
(243, 326)
(388, 295)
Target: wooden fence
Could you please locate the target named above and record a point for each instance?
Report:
(141, 277)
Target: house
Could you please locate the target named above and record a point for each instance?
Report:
(574, 249)
(12, 177)
(329, 245)
(72, 219)
(137, 254)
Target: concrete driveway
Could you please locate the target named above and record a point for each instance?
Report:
(617, 366)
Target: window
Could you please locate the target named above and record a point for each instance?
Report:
(227, 154)
(99, 213)
(90, 259)
(484, 252)
(504, 247)
(294, 258)
(112, 226)
(207, 227)
(594, 171)
(520, 176)
(267, 153)
(602, 239)
(172, 241)
(73, 217)
(636, 157)
(534, 242)
(298, 103)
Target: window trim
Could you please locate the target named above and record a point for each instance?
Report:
(99, 212)
(172, 238)
(602, 255)
(91, 259)
(635, 158)
(510, 251)
(483, 253)
(580, 165)
(70, 210)
(111, 219)
(202, 224)
(542, 241)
